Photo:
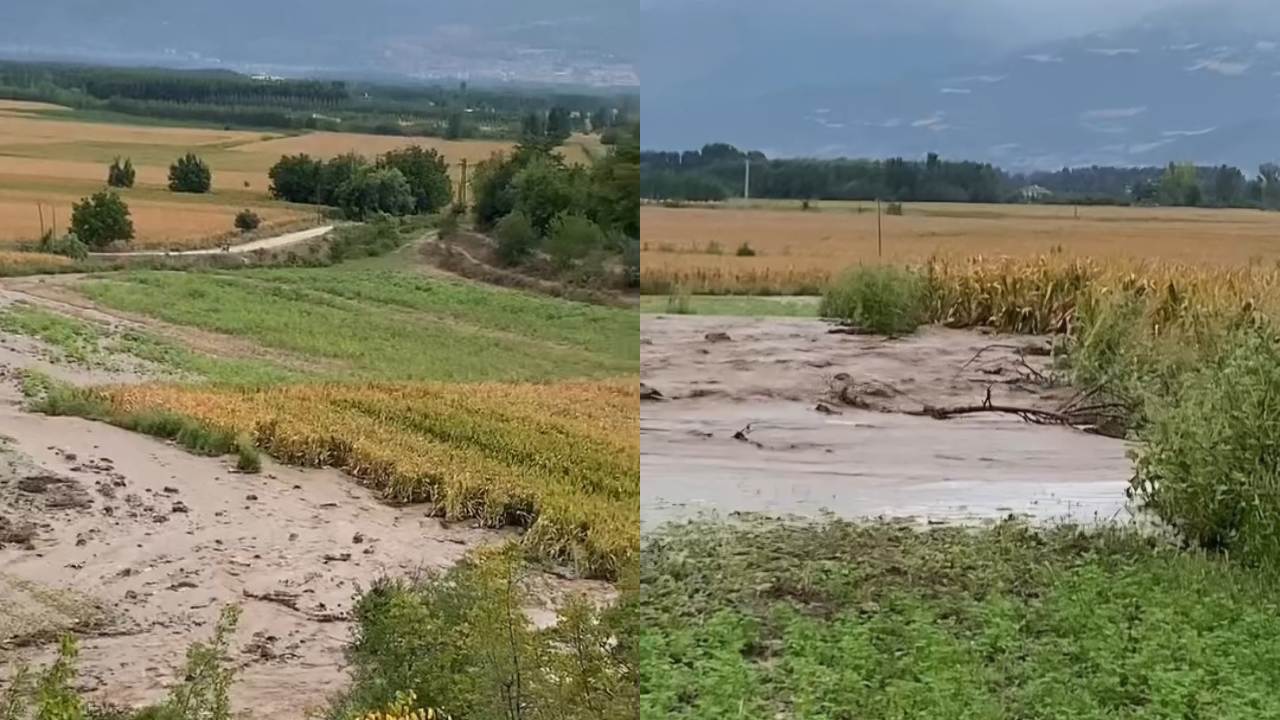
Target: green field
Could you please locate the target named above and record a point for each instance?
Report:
(385, 325)
(880, 621)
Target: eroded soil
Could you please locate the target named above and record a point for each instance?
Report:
(135, 545)
(784, 416)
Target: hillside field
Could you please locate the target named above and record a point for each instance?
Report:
(49, 160)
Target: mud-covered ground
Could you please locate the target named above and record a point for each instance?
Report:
(783, 416)
(136, 544)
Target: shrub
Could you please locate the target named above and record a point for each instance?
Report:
(68, 245)
(744, 250)
(1210, 465)
(448, 226)
(247, 221)
(881, 299)
(190, 174)
(121, 175)
(461, 641)
(372, 239)
(248, 459)
(571, 239)
(101, 219)
(893, 208)
(516, 238)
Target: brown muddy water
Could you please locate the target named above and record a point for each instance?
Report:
(803, 452)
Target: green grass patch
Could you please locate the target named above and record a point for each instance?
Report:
(877, 298)
(846, 620)
(389, 325)
(75, 340)
(740, 305)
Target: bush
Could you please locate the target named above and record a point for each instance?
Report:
(190, 174)
(448, 226)
(101, 219)
(68, 245)
(893, 208)
(248, 459)
(572, 238)
(460, 640)
(877, 298)
(121, 175)
(247, 221)
(516, 238)
(372, 239)
(744, 250)
(1210, 465)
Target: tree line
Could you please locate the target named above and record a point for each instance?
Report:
(717, 172)
(232, 99)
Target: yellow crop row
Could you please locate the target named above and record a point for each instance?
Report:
(561, 459)
(14, 262)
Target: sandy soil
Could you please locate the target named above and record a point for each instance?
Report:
(808, 451)
(136, 545)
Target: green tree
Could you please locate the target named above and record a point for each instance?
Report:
(427, 174)
(375, 190)
(456, 129)
(336, 172)
(545, 188)
(614, 194)
(296, 178)
(121, 175)
(492, 196)
(1179, 185)
(190, 174)
(101, 219)
(559, 125)
(1228, 185)
(516, 238)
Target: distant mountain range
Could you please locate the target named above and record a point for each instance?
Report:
(580, 42)
(1197, 82)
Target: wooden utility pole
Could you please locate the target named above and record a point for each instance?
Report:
(879, 232)
(462, 191)
(746, 181)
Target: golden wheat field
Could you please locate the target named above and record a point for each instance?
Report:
(50, 160)
(562, 459)
(798, 251)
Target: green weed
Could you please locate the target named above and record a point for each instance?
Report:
(881, 299)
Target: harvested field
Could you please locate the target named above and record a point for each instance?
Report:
(798, 251)
(54, 161)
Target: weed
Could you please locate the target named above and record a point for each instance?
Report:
(678, 302)
(248, 459)
(879, 299)
(744, 250)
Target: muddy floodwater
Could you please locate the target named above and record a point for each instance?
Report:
(782, 416)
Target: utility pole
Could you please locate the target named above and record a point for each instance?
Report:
(746, 181)
(463, 189)
(879, 232)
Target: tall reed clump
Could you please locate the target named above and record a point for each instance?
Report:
(1192, 352)
(877, 298)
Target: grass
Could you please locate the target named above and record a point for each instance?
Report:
(389, 325)
(797, 253)
(844, 620)
(29, 263)
(91, 345)
(741, 305)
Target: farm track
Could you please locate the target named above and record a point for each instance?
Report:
(271, 243)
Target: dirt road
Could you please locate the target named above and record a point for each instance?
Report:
(261, 244)
(720, 376)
